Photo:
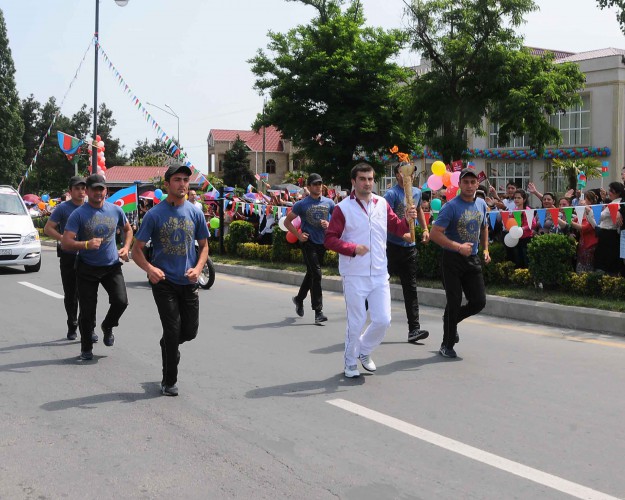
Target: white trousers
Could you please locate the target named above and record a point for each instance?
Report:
(376, 291)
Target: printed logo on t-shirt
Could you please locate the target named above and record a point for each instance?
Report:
(101, 226)
(175, 234)
(315, 214)
(469, 225)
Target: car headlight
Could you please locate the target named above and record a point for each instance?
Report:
(31, 237)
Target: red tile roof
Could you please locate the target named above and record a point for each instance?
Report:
(124, 174)
(253, 140)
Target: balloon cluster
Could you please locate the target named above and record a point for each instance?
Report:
(442, 177)
(514, 233)
(101, 166)
(297, 223)
(159, 196)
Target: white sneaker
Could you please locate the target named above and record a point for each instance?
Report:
(367, 362)
(352, 371)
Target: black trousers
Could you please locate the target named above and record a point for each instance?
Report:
(313, 258)
(179, 309)
(67, 263)
(88, 281)
(461, 274)
(402, 262)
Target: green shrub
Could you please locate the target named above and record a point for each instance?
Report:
(240, 232)
(576, 283)
(428, 257)
(612, 286)
(497, 252)
(550, 258)
(254, 251)
(295, 255)
(213, 247)
(498, 273)
(331, 259)
(280, 248)
(521, 277)
(40, 222)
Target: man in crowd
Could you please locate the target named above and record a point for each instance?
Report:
(314, 211)
(90, 231)
(358, 233)
(67, 259)
(506, 203)
(194, 200)
(402, 254)
(174, 226)
(460, 226)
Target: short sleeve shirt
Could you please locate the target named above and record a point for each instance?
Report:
(463, 220)
(312, 211)
(89, 222)
(173, 231)
(60, 216)
(397, 200)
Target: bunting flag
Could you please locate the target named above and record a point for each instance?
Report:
(125, 198)
(542, 214)
(517, 216)
(493, 219)
(568, 213)
(68, 144)
(554, 214)
(596, 211)
(505, 215)
(613, 207)
(579, 211)
(427, 216)
(529, 214)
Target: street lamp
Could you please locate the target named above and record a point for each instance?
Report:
(96, 34)
(171, 112)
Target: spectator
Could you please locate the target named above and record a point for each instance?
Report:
(587, 235)
(506, 203)
(607, 252)
(519, 252)
(550, 226)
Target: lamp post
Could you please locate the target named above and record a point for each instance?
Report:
(96, 34)
(171, 112)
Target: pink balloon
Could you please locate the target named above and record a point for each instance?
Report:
(290, 237)
(455, 179)
(297, 222)
(435, 182)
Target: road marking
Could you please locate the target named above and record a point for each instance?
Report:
(516, 468)
(41, 289)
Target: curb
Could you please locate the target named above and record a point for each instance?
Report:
(543, 313)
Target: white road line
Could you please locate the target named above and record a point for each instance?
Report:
(540, 477)
(41, 289)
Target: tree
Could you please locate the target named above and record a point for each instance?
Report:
(479, 69)
(620, 15)
(571, 168)
(334, 88)
(148, 154)
(11, 124)
(236, 165)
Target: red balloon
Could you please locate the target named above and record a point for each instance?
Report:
(98, 138)
(290, 237)
(451, 192)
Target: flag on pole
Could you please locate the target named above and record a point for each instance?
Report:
(605, 169)
(68, 144)
(125, 198)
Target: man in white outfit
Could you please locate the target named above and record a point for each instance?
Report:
(357, 232)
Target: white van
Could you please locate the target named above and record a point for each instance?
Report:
(19, 240)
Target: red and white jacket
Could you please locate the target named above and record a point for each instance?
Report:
(356, 223)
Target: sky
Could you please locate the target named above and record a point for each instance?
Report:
(192, 55)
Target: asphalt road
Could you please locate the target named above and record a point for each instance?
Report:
(264, 411)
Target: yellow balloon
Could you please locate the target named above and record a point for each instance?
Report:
(438, 168)
(52, 203)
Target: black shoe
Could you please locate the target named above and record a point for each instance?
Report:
(457, 338)
(320, 317)
(86, 355)
(169, 390)
(447, 352)
(94, 337)
(299, 307)
(109, 338)
(71, 335)
(416, 335)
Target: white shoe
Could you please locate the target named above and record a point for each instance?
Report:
(367, 362)
(352, 371)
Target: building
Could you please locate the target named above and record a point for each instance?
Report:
(147, 178)
(278, 152)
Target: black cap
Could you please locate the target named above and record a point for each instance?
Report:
(467, 171)
(75, 180)
(312, 178)
(175, 169)
(95, 180)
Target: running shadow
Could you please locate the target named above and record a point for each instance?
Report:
(151, 390)
(412, 364)
(60, 342)
(26, 365)
(332, 385)
(331, 349)
(286, 322)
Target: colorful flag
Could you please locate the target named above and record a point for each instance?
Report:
(481, 177)
(250, 188)
(125, 198)
(68, 144)
(605, 169)
(456, 166)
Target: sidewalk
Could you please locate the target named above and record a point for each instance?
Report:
(544, 313)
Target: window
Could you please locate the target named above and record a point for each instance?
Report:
(270, 166)
(574, 124)
(514, 142)
(221, 165)
(387, 181)
(500, 173)
(555, 181)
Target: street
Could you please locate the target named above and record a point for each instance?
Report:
(264, 411)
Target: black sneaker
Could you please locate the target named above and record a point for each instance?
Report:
(109, 338)
(169, 390)
(86, 355)
(447, 352)
(320, 317)
(299, 307)
(72, 335)
(94, 337)
(416, 335)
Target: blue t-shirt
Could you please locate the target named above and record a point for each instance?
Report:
(88, 222)
(173, 231)
(60, 216)
(463, 220)
(312, 212)
(397, 201)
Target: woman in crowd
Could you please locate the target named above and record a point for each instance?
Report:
(607, 257)
(551, 226)
(519, 252)
(587, 235)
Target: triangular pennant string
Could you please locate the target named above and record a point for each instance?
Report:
(542, 213)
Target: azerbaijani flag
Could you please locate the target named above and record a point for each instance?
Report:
(125, 198)
(68, 144)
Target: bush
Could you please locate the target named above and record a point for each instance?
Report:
(280, 248)
(331, 259)
(295, 255)
(498, 273)
(550, 258)
(240, 232)
(428, 257)
(521, 277)
(612, 287)
(254, 251)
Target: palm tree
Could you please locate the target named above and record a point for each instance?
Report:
(571, 168)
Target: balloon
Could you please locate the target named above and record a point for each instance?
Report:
(435, 204)
(510, 223)
(52, 203)
(163, 196)
(510, 241)
(214, 223)
(290, 237)
(435, 182)
(425, 187)
(45, 197)
(446, 178)
(281, 223)
(297, 222)
(438, 168)
(451, 193)
(100, 144)
(158, 193)
(97, 139)
(455, 179)
(516, 232)
(41, 205)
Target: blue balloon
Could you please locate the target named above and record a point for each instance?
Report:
(158, 193)
(45, 198)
